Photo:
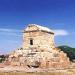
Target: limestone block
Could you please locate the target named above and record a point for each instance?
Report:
(15, 63)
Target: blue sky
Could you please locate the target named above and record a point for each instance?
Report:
(15, 15)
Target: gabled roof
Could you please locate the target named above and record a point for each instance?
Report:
(41, 28)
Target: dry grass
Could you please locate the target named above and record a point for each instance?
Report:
(69, 72)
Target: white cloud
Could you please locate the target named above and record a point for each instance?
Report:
(13, 32)
(60, 32)
(8, 30)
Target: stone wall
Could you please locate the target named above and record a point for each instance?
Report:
(40, 38)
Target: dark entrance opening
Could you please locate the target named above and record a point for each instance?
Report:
(31, 41)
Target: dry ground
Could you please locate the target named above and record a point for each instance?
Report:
(8, 70)
(37, 73)
(50, 72)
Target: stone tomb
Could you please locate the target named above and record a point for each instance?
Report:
(38, 50)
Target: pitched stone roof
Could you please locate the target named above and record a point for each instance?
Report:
(41, 28)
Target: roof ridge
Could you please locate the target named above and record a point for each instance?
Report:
(41, 27)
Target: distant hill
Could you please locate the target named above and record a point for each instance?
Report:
(69, 50)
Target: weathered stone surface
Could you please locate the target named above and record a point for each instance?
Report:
(38, 50)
